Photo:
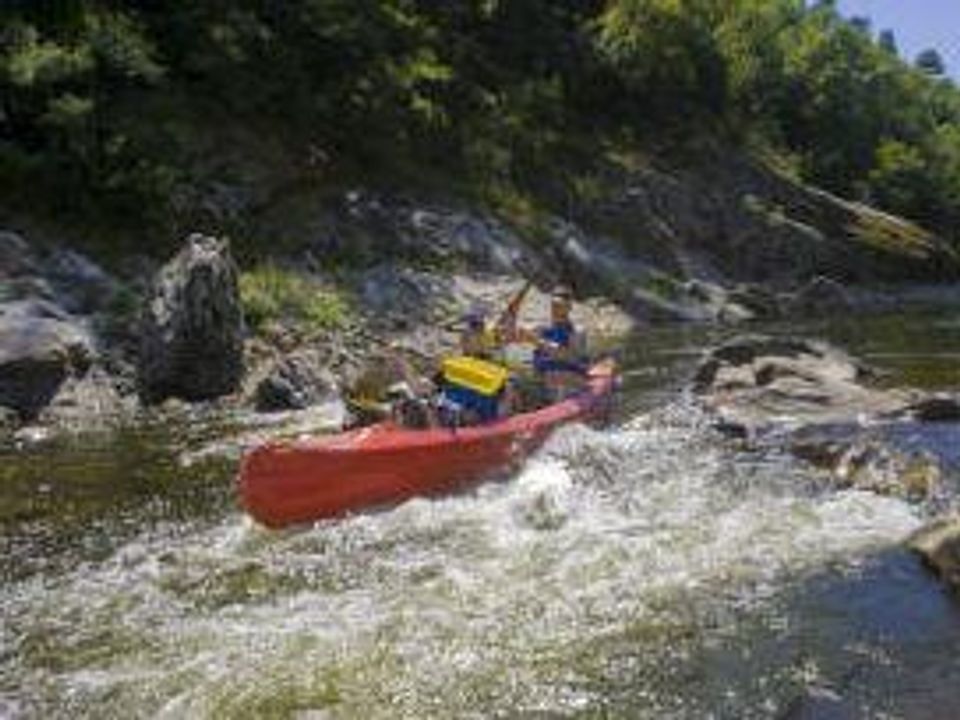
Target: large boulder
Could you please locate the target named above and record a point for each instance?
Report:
(40, 348)
(938, 545)
(191, 340)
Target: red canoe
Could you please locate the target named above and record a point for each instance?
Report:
(293, 482)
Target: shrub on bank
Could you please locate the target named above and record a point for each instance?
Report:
(271, 294)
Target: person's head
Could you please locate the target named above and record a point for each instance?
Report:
(561, 302)
(475, 318)
(474, 325)
(473, 322)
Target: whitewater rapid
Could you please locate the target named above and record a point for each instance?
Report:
(625, 572)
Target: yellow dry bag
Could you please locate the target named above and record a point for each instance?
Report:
(483, 377)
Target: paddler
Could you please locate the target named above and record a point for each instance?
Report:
(477, 338)
(474, 385)
(560, 355)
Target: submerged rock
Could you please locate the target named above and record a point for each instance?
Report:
(879, 468)
(191, 341)
(938, 545)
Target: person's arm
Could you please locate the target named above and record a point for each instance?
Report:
(526, 335)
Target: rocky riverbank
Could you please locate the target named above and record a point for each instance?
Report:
(82, 347)
(719, 238)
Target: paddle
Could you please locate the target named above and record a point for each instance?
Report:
(513, 307)
(510, 312)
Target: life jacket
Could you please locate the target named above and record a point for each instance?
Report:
(488, 344)
(560, 334)
(473, 385)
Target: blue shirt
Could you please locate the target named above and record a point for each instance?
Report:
(560, 334)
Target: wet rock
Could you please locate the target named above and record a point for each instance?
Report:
(191, 338)
(876, 467)
(32, 435)
(821, 297)
(938, 545)
(936, 408)
(40, 347)
(758, 357)
(297, 381)
(93, 400)
(760, 382)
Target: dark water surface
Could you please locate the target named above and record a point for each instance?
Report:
(647, 570)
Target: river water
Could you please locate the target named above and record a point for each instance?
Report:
(646, 570)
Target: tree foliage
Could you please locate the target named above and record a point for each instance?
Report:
(93, 91)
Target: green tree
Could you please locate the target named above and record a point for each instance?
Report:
(931, 63)
(888, 41)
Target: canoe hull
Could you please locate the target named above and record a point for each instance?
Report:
(301, 481)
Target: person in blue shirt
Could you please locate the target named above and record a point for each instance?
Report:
(560, 355)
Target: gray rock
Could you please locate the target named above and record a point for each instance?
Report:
(761, 382)
(821, 297)
(746, 349)
(9, 418)
(295, 382)
(39, 349)
(82, 286)
(92, 401)
(65, 277)
(593, 266)
(34, 309)
(877, 467)
(755, 302)
(192, 329)
(936, 408)
(938, 545)
(402, 296)
(15, 256)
